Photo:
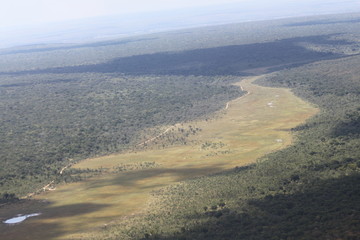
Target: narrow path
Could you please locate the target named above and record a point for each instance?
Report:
(64, 168)
(47, 186)
(156, 137)
(168, 129)
(242, 89)
(43, 189)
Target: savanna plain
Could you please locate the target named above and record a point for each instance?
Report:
(241, 131)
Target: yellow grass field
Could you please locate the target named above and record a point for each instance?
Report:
(245, 130)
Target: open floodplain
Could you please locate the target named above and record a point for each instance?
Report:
(247, 128)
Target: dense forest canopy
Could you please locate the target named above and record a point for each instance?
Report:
(63, 103)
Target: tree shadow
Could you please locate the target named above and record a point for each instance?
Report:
(151, 178)
(72, 210)
(326, 210)
(229, 60)
(42, 226)
(350, 125)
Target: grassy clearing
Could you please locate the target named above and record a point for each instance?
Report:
(250, 127)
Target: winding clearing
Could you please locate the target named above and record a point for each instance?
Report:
(247, 129)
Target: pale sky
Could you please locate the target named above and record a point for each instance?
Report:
(27, 12)
(32, 21)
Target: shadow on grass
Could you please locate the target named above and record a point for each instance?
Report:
(41, 227)
(31, 231)
(326, 210)
(73, 210)
(151, 178)
(228, 60)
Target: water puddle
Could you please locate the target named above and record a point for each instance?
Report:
(20, 218)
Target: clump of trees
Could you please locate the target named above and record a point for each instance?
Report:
(8, 198)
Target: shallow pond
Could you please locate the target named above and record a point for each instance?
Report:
(20, 218)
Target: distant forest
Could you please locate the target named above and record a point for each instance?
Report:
(309, 190)
(63, 103)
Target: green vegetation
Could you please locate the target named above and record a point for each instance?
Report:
(47, 121)
(62, 104)
(309, 190)
(8, 197)
(245, 135)
(65, 103)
